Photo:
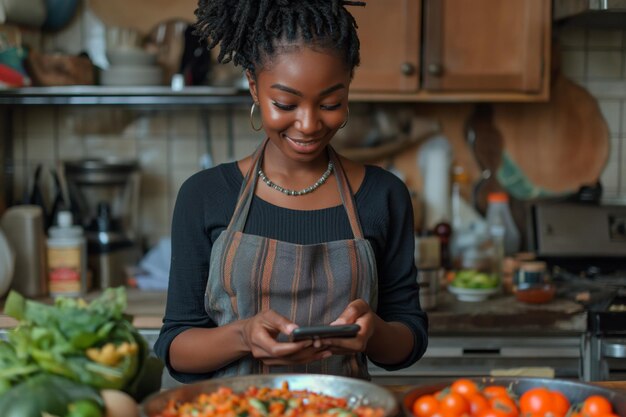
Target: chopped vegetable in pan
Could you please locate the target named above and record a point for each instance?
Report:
(267, 402)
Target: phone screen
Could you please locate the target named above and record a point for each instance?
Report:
(322, 332)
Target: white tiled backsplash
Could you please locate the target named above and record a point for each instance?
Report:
(596, 59)
(170, 143)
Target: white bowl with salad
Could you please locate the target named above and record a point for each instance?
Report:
(473, 285)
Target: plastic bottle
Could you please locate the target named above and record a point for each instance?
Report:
(502, 227)
(67, 257)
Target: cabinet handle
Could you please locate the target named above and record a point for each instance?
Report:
(435, 69)
(407, 68)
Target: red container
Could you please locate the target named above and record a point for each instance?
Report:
(536, 294)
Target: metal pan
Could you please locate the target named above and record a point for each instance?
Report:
(356, 391)
(575, 391)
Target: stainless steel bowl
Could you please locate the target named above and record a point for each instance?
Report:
(575, 391)
(356, 391)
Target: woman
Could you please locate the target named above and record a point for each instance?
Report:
(279, 240)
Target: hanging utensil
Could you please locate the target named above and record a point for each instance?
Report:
(36, 197)
(486, 145)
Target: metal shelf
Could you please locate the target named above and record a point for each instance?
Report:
(125, 96)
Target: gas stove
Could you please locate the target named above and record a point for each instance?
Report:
(583, 244)
(603, 295)
(608, 318)
(585, 247)
(577, 231)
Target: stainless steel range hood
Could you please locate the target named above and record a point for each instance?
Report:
(592, 13)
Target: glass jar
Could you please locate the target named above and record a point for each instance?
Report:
(532, 283)
(533, 273)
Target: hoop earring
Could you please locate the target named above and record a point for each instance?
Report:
(346, 121)
(252, 119)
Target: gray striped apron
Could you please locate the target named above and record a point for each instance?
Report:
(308, 284)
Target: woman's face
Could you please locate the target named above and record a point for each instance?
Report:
(303, 96)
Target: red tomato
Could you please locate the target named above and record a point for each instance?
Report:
(560, 404)
(425, 406)
(536, 400)
(491, 391)
(454, 403)
(465, 387)
(505, 405)
(477, 403)
(596, 406)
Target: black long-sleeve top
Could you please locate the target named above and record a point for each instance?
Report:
(204, 207)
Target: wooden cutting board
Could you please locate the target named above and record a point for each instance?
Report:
(559, 145)
(143, 15)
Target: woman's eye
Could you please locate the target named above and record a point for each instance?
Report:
(285, 107)
(331, 106)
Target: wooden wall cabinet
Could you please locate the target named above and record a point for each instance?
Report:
(454, 50)
(389, 31)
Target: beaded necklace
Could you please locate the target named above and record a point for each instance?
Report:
(304, 191)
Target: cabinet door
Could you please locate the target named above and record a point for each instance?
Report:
(389, 35)
(485, 45)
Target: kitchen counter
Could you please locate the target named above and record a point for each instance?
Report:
(502, 314)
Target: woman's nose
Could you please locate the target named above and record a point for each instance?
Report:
(308, 122)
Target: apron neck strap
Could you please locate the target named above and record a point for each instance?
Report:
(246, 193)
(347, 197)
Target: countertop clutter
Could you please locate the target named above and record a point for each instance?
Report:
(451, 316)
(504, 314)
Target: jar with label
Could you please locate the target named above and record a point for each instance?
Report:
(67, 257)
(532, 283)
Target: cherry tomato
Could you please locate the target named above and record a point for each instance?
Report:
(536, 400)
(596, 406)
(465, 387)
(504, 404)
(560, 404)
(454, 403)
(477, 403)
(491, 391)
(425, 406)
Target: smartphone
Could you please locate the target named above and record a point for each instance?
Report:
(322, 332)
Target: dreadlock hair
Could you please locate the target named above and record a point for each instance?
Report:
(249, 32)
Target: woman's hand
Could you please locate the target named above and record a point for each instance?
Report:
(357, 312)
(259, 333)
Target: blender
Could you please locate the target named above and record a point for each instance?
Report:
(104, 197)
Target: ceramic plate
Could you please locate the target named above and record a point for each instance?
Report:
(473, 294)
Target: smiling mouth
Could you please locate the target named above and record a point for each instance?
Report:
(303, 142)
